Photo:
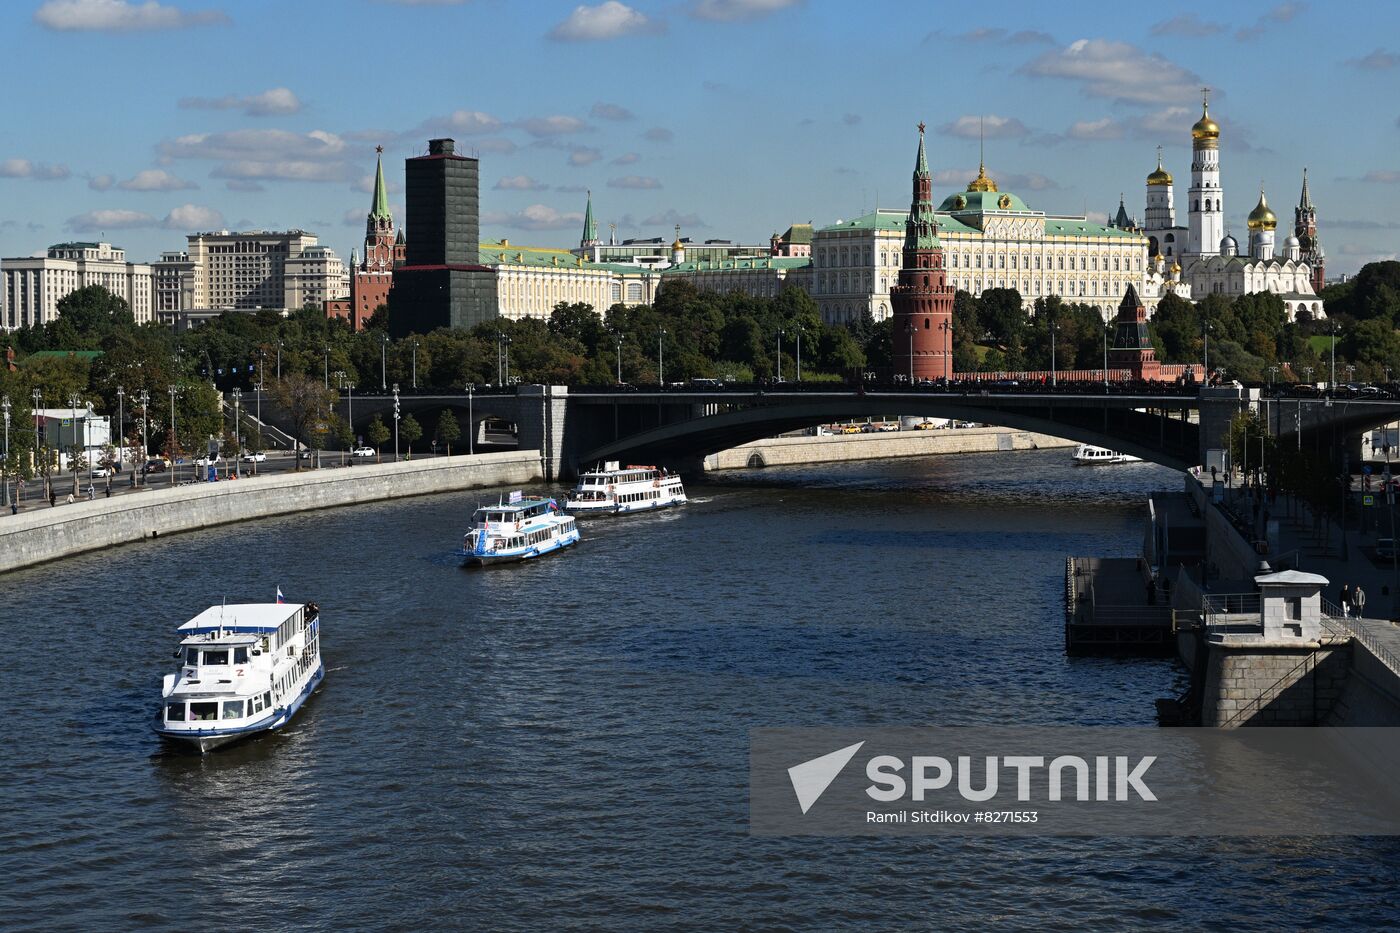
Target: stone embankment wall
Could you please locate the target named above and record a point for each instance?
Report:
(1276, 687)
(48, 533)
(788, 451)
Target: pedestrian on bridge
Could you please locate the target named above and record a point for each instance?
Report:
(1358, 601)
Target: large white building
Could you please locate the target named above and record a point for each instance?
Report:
(1209, 257)
(312, 277)
(34, 285)
(245, 270)
(991, 239)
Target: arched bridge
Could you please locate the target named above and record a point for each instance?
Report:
(680, 425)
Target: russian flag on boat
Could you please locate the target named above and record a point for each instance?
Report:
(280, 598)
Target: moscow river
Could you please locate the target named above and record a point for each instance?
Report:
(563, 744)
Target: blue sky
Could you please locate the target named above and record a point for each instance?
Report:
(144, 120)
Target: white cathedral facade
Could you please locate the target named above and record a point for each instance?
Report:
(1202, 258)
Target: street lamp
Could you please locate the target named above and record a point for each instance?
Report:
(1205, 349)
(799, 354)
(471, 423)
(1054, 379)
(909, 329)
(279, 361)
(780, 354)
(415, 364)
(383, 362)
(5, 473)
(350, 412)
(73, 401)
(171, 443)
(660, 359)
(1333, 384)
(237, 438)
(145, 400)
(507, 356)
(121, 424)
(396, 422)
(1273, 371)
(326, 367)
(617, 336)
(1107, 329)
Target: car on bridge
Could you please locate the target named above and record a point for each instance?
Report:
(255, 456)
(362, 452)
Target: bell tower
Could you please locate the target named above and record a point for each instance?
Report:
(922, 301)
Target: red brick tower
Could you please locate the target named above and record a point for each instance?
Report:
(1132, 344)
(371, 278)
(922, 300)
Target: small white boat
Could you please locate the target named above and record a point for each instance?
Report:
(519, 529)
(610, 489)
(1088, 454)
(244, 670)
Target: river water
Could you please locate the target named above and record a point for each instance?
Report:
(563, 744)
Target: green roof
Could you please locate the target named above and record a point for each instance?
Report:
(88, 355)
(798, 234)
(730, 265)
(499, 253)
(949, 223)
(380, 208)
(982, 202)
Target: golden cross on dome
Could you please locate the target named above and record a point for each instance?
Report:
(1205, 97)
(921, 127)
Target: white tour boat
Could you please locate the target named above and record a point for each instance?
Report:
(244, 670)
(612, 490)
(518, 529)
(1089, 454)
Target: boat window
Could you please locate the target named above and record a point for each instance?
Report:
(233, 709)
(174, 712)
(216, 657)
(202, 711)
(255, 705)
(267, 700)
(192, 656)
(240, 655)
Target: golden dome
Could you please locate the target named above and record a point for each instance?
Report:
(1160, 176)
(1176, 268)
(1261, 218)
(1205, 129)
(981, 182)
(678, 244)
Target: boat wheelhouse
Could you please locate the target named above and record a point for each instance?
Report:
(610, 489)
(1088, 454)
(519, 529)
(244, 669)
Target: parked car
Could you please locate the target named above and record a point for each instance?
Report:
(207, 460)
(362, 452)
(155, 466)
(254, 456)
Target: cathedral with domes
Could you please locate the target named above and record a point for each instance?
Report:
(1204, 258)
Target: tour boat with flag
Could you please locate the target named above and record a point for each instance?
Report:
(1088, 455)
(610, 489)
(245, 669)
(518, 529)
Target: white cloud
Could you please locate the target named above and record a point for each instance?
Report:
(608, 20)
(658, 134)
(639, 182)
(101, 182)
(727, 11)
(495, 144)
(1117, 71)
(120, 16)
(1379, 60)
(1276, 16)
(155, 179)
(279, 100)
(670, 217)
(263, 154)
(458, 122)
(544, 127)
(38, 171)
(993, 126)
(1187, 24)
(1384, 176)
(534, 217)
(627, 158)
(1107, 128)
(584, 155)
(184, 217)
(98, 221)
(193, 217)
(519, 183)
(606, 111)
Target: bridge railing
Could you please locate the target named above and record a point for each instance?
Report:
(1336, 621)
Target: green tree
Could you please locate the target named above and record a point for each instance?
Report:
(448, 430)
(377, 434)
(305, 404)
(410, 430)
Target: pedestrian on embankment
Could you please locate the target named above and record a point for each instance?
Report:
(1346, 599)
(1358, 601)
